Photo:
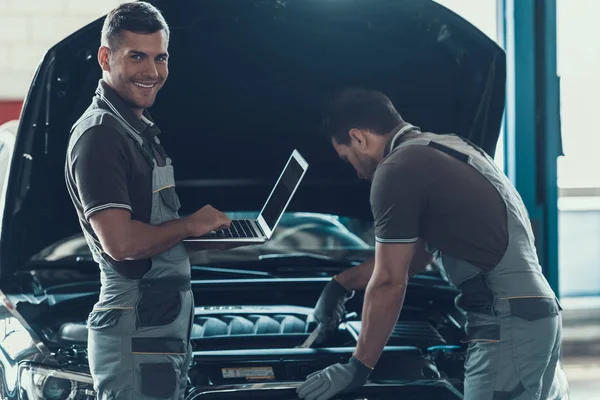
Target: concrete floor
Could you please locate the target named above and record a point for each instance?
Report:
(583, 374)
(581, 347)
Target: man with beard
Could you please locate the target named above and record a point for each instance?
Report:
(431, 194)
(121, 182)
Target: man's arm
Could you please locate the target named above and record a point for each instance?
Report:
(383, 299)
(357, 278)
(99, 166)
(126, 239)
(399, 195)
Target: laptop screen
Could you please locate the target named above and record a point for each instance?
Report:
(282, 192)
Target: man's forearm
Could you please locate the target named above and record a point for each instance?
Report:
(381, 309)
(357, 278)
(146, 241)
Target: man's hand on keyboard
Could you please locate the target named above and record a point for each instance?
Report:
(205, 220)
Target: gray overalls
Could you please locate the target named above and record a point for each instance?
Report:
(139, 330)
(514, 321)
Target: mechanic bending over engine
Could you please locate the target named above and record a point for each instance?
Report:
(440, 195)
(121, 182)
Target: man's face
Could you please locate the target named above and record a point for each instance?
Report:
(360, 157)
(137, 68)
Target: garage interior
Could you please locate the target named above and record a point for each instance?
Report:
(547, 145)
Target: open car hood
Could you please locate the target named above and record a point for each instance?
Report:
(247, 82)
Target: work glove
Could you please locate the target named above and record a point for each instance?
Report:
(331, 309)
(333, 380)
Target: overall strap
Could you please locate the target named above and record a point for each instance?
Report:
(95, 116)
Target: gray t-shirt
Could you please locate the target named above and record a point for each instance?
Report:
(421, 192)
(107, 169)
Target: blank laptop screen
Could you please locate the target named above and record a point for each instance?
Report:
(282, 192)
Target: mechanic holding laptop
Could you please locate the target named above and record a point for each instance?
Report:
(121, 182)
(440, 195)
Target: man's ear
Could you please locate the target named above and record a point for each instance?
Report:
(358, 136)
(103, 58)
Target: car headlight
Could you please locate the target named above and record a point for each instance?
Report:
(44, 383)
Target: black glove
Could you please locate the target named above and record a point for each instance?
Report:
(331, 309)
(338, 378)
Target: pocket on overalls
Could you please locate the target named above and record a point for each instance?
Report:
(483, 333)
(105, 346)
(158, 379)
(532, 309)
(103, 318)
(158, 308)
(534, 325)
(160, 362)
(170, 198)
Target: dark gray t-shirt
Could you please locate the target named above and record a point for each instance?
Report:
(421, 192)
(107, 169)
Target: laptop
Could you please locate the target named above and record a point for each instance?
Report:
(261, 229)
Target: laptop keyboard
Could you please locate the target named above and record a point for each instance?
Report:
(239, 228)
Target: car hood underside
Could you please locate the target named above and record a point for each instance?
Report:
(247, 82)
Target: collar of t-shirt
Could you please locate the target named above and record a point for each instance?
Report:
(398, 135)
(144, 125)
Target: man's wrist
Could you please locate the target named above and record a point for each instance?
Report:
(369, 360)
(362, 371)
(338, 288)
(186, 226)
(356, 278)
(341, 280)
(364, 364)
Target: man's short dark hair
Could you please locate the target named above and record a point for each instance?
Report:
(138, 16)
(360, 109)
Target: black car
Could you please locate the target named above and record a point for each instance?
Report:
(247, 83)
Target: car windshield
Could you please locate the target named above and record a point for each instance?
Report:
(309, 235)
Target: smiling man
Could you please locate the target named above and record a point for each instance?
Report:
(122, 184)
(440, 194)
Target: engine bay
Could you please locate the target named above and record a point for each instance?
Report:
(258, 344)
(256, 341)
(281, 327)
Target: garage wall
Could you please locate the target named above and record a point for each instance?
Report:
(27, 29)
